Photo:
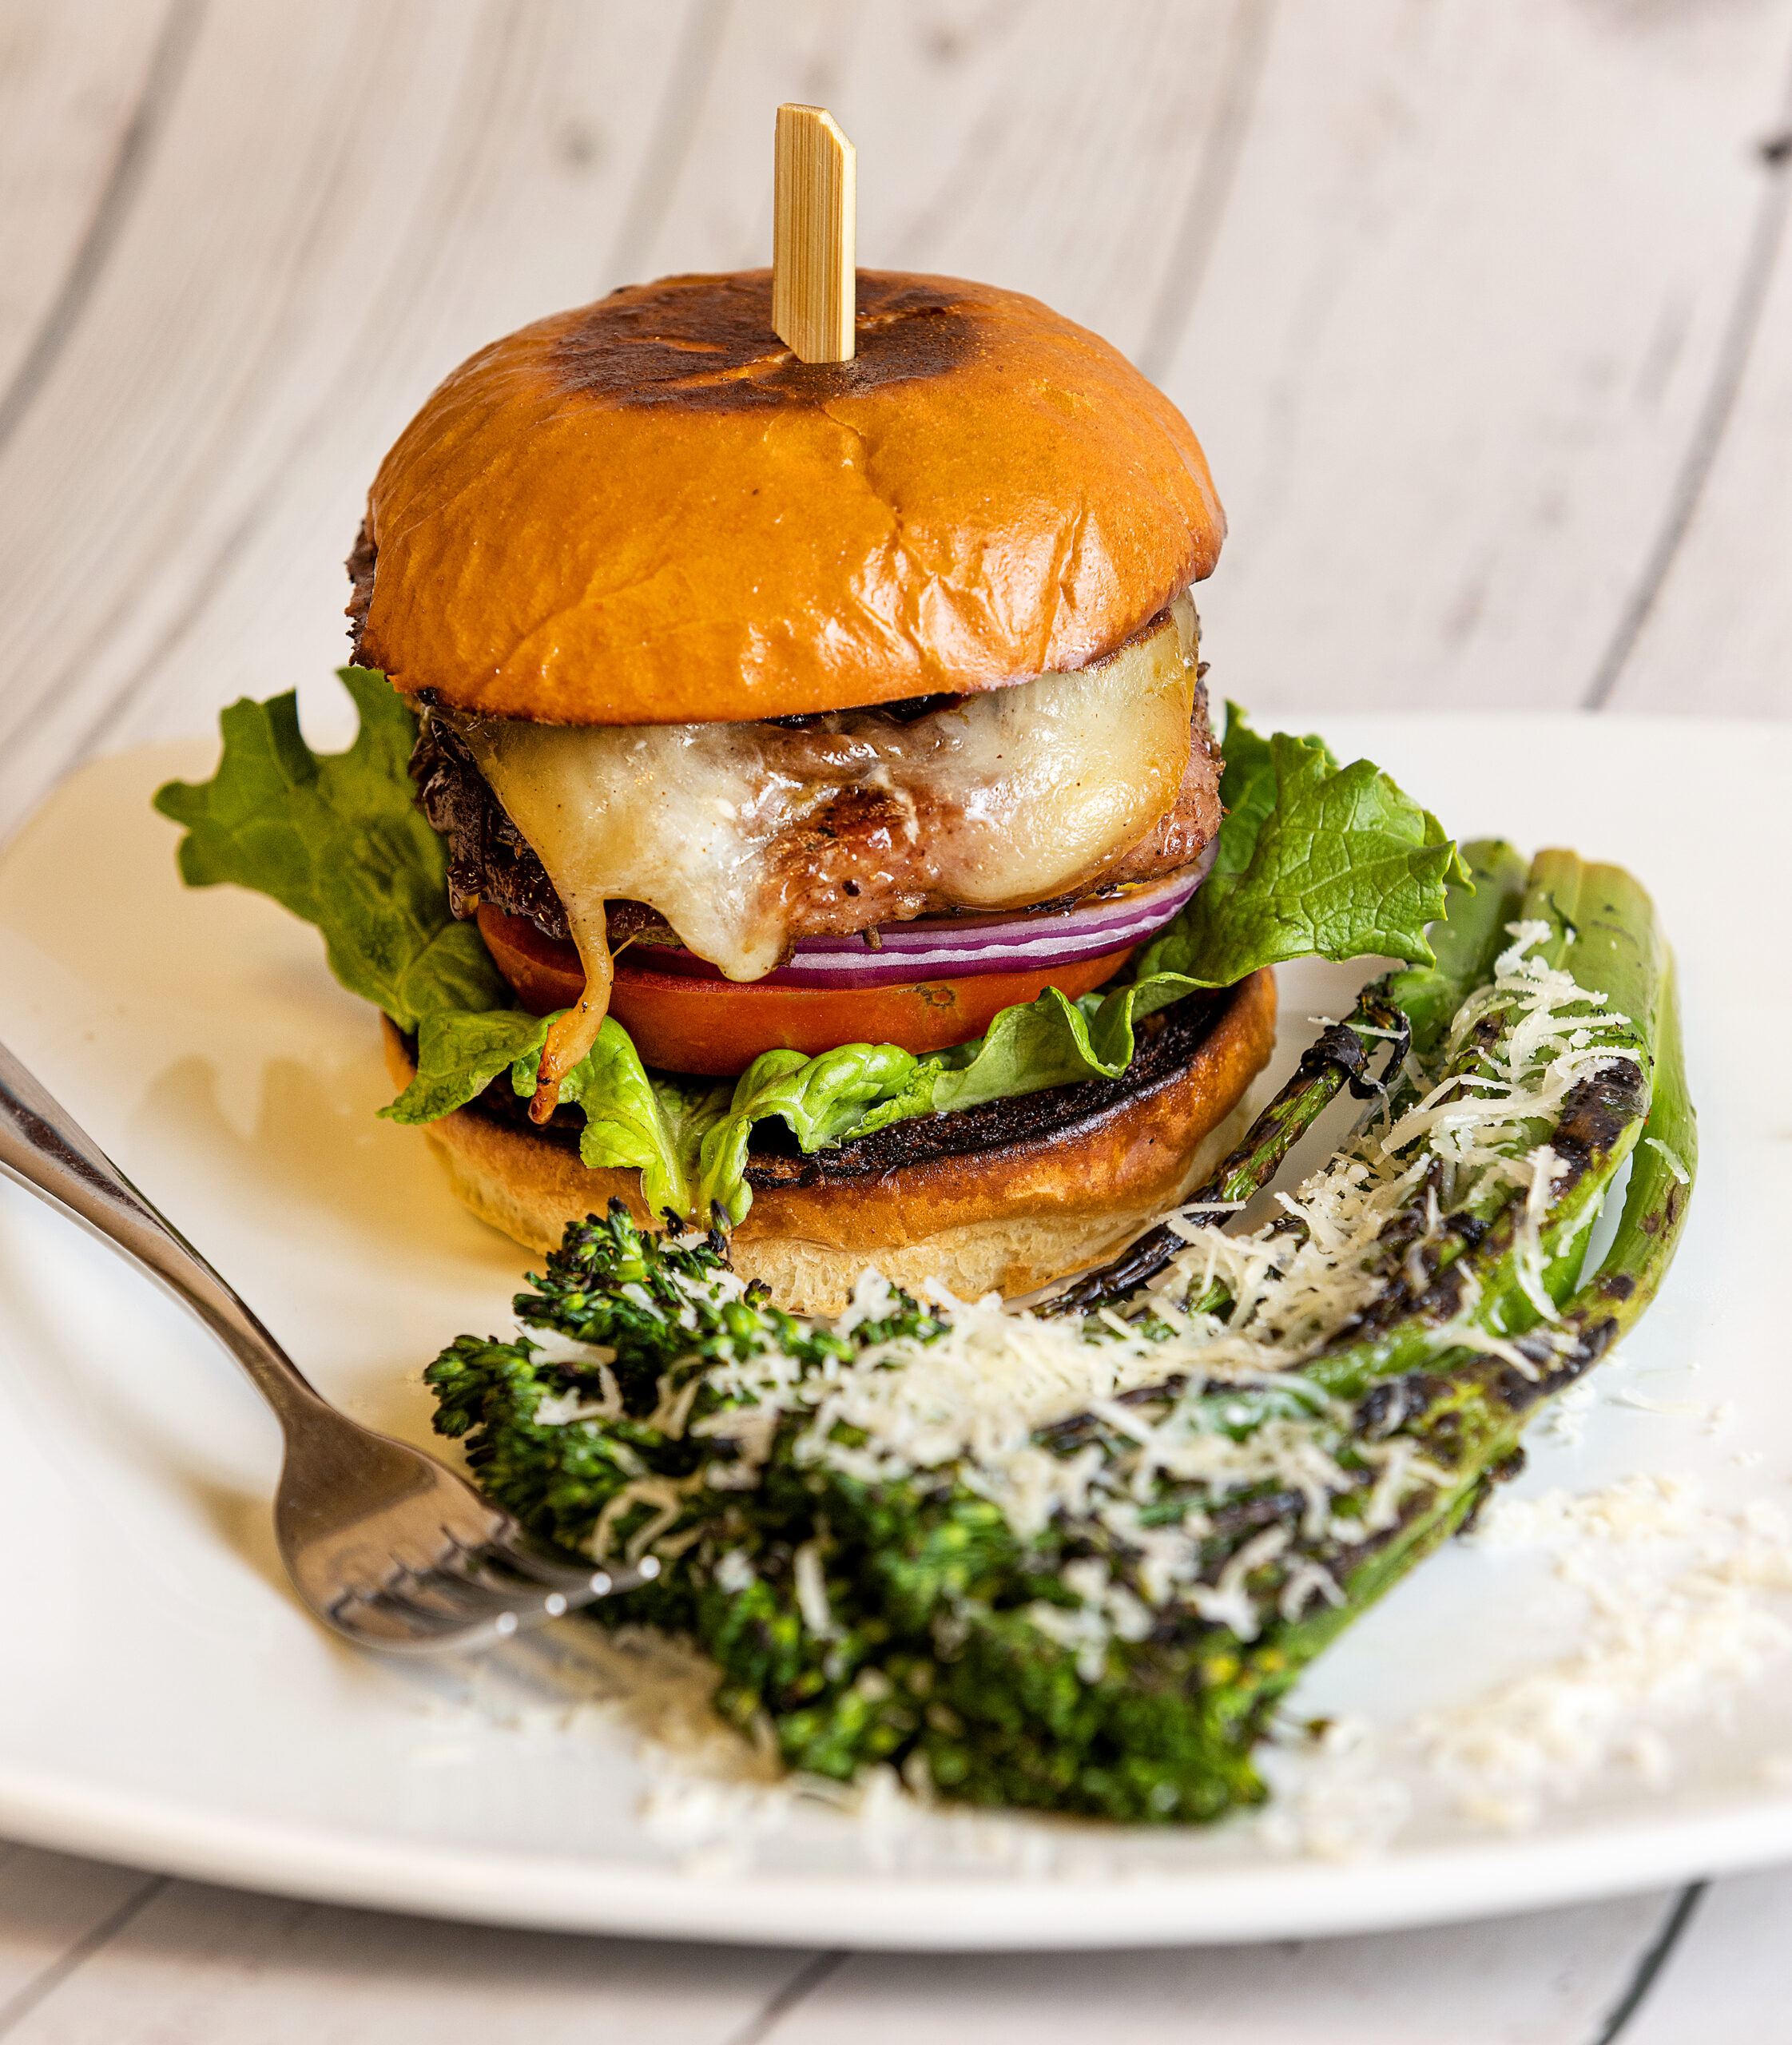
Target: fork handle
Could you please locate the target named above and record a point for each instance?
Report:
(44, 1148)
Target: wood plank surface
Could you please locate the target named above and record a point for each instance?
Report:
(1457, 330)
(1537, 1980)
(314, 246)
(1716, 635)
(55, 1911)
(343, 200)
(82, 87)
(215, 1967)
(91, 1954)
(1485, 317)
(1729, 1976)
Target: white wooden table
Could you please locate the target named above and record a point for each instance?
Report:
(1484, 314)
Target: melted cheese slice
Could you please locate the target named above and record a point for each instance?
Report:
(1027, 792)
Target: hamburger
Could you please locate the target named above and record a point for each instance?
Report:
(814, 825)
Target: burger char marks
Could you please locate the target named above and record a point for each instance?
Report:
(706, 343)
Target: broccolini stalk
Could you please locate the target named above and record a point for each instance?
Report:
(622, 1330)
(1342, 1053)
(1141, 1722)
(1408, 1009)
(1489, 1266)
(1540, 1098)
(1484, 1403)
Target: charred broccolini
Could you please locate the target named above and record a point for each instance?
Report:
(1074, 1564)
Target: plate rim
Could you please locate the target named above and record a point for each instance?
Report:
(1298, 1896)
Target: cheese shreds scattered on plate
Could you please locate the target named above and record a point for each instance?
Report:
(1685, 1603)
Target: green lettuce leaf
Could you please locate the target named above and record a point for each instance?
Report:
(338, 839)
(653, 1123)
(1056, 1042)
(849, 1091)
(1314, 858)
(459, 1054)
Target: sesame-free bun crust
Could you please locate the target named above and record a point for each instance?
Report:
(647, 511)
(1008, 1219)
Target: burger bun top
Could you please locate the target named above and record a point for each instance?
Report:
(647, 511)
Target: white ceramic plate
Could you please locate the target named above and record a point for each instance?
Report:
(166, 1702)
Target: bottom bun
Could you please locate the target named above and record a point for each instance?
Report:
(1005, 1198)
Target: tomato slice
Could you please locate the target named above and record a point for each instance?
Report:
(720, 1027)
(544, 971)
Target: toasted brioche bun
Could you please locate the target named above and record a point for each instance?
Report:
(647, 511)
(1008, 1219)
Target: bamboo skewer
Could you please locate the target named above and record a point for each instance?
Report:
(813, 295)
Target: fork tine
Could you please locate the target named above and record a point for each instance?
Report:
(530, 1566)
(449, 1594)
(506, 1568)
(436, 1612)
(474, 1594)
(396, 1627)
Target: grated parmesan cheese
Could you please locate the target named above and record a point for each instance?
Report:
(974, 1402)
(1209, 1401)
(811, 1592)
(1679, 1615)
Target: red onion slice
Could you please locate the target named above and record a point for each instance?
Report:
(957, 948)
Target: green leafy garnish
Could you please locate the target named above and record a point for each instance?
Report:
(339, 840)
(459, 1054)
(1314, 858)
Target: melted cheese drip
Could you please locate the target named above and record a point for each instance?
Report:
(1030, 791)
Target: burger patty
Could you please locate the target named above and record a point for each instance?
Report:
(488, 858)
(1166, 1043)
(849, 867)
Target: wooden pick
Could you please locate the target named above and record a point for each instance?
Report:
(813, 295)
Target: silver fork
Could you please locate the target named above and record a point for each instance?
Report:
(386, 1545)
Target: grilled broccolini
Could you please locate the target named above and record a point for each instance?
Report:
(1073, 1564)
